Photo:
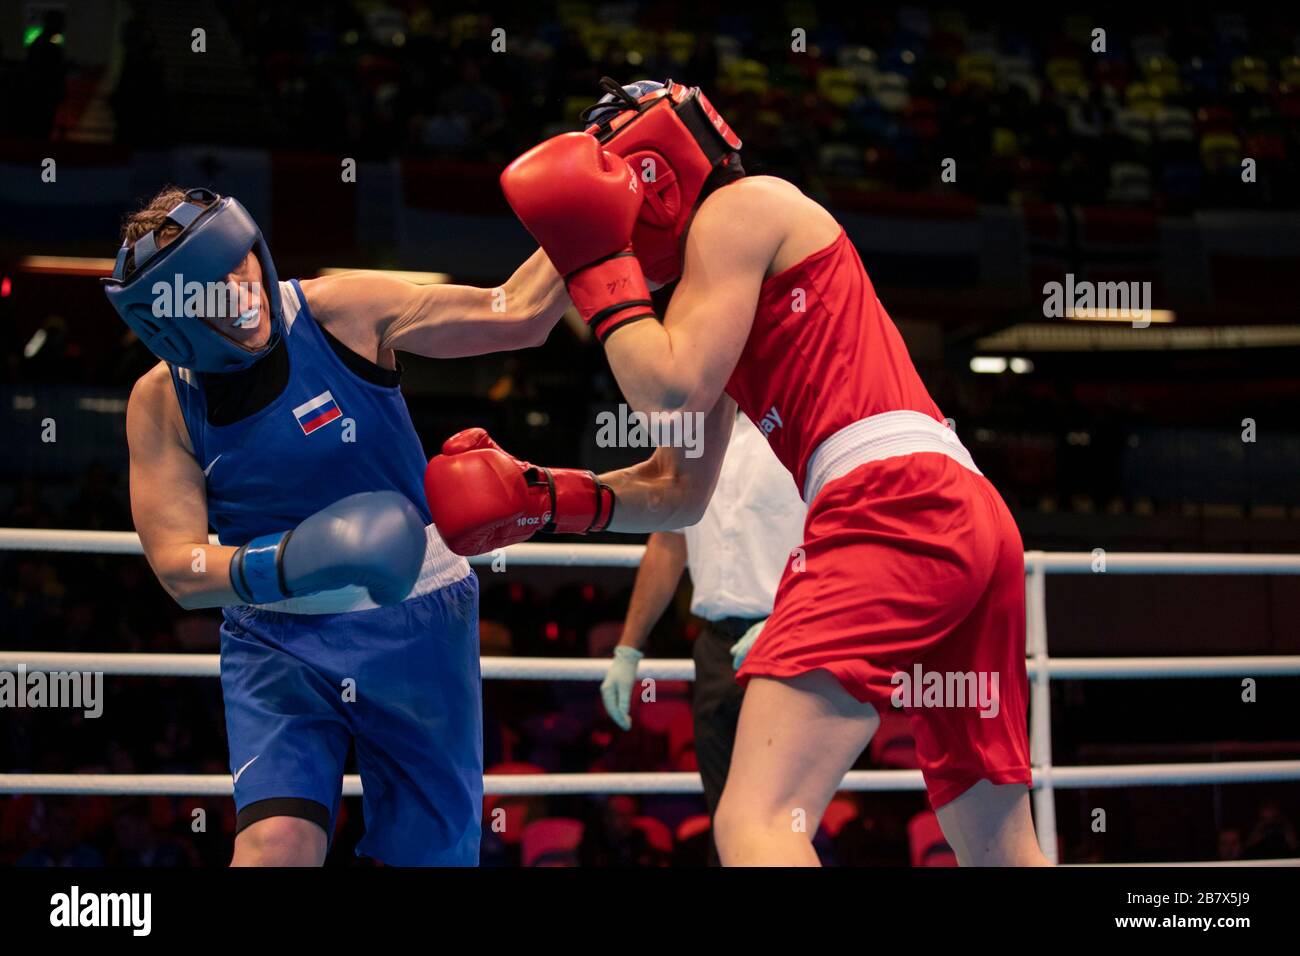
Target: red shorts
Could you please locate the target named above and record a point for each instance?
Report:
(914, 562)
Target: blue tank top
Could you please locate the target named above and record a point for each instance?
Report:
(328, 435)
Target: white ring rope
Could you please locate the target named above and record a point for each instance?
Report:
(1047, 777)
(522, 555)
(558, 668)
(629, 555)
(1100, 776)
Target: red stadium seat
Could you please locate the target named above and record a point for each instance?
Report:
(840, 811)
(681, 735)
(552, 841)
(659, 716)
(926, 843)
(656, 833)
(692, 827)
(515, 812)
(893, 745)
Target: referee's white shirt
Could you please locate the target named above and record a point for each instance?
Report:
(739, 549)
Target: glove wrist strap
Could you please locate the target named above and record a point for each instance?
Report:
(610, 293)
(256, 570)
(580, 503)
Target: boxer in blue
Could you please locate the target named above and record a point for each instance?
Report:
(275, 417)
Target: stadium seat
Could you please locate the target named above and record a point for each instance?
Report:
(659, 716)
(840, 811)
(893, 745)
(516, 811)
(552, 841)
(656, 833)
(926, 843)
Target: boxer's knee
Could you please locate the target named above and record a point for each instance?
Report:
(280, 841)
(740, 817)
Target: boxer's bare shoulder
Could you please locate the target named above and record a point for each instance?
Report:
(152, 393)
(755, 194)
(773, 211)
(153, 408)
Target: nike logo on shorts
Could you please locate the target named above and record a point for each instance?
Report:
(240, 771)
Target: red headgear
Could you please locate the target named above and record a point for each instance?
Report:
(673, 138)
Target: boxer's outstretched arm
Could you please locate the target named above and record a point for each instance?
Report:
(668, 490)
(684, 363)
(373, 313)
(482, 497)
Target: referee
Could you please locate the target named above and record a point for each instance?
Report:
(736, 555)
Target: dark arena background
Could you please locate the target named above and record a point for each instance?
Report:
(1150, 454)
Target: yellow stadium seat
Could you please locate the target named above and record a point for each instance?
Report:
(1251, 73)
(1144, 98)
(979, 69)
(837, 86)
(1162, 73)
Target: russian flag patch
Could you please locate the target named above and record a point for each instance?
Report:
(317, 412)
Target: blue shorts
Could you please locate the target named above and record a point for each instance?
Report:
(402, 682)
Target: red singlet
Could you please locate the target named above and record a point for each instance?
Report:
(909, 585)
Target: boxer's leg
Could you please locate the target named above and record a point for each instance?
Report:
(281, 841)
(418, 721)
(975, 754)
(288, 739)
(797, 738)
(990, 825)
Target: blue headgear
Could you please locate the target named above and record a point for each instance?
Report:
(212, 244)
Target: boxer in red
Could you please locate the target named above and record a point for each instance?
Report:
(909, 586)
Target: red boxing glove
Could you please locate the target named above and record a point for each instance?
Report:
(580, 202)
(482, 497)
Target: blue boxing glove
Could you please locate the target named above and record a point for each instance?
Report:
(742, 646)
(373, 540)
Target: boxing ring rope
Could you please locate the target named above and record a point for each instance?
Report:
(520, 555)
(1041, 667)
(554, 668)
(577, 784)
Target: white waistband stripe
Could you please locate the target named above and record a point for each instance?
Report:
(887, 435)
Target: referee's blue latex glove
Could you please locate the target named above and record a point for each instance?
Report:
(742, 646)
(616, 688)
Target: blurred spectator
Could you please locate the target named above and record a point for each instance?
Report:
(1229, 844)
(1272, 836)
(61, 845)
(97, 507)
(137, 844)
(1031, 120)
(29, 508)
(615, 839)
